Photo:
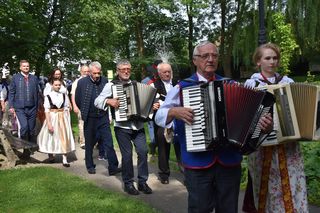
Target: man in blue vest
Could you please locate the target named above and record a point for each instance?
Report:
(212, 177)
(23, 103)
(96, 122)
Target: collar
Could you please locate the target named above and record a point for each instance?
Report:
(24, 75)
(167, 82)
(93, 81)
(201, 78)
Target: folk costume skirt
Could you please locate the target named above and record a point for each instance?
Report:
(61, 140)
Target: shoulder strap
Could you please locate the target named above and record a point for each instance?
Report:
(64, 99)
(50, 100)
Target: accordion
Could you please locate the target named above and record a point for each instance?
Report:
(136, 101)
(225, 114)
(295, 112)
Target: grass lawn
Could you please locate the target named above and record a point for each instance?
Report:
(46, 189)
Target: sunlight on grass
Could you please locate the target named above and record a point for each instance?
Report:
(46, 189)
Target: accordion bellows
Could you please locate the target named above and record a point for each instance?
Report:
(225, 114)
(295, 113)
(136, 100)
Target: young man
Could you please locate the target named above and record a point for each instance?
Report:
(23, 103)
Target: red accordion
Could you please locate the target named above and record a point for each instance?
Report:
(225, 114)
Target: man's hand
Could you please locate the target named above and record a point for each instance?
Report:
(114, 102)
(156, 106)
(182, 113)
(266, 123)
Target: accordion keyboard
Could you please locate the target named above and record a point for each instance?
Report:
(121, 112)
(195, 134)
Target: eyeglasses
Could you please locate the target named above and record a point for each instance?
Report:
(206, 56)
(124, 69)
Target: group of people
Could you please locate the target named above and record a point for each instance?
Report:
(212, 178)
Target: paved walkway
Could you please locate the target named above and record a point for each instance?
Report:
(171, 198)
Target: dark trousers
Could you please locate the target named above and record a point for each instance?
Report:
(163, 153)
(138, 137)
(27, 120)
(98, 129)
(214, 188)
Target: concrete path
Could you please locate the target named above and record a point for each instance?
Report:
(170, 198)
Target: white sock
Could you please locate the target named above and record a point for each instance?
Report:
(64, 159)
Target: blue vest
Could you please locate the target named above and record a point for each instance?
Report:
(22, 94)
(200, 160)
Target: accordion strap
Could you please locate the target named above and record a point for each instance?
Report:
(277, 78)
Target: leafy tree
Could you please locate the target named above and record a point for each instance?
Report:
(283, 36)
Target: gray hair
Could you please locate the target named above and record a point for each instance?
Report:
(160, 65)
(202, 43)
(123, 62)
(95, 64)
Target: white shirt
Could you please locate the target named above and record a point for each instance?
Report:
(57, 99)
(100, 103)
(172, 100)
(48, 89)
(3, 92)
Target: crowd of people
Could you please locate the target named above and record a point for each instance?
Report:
(212, 177)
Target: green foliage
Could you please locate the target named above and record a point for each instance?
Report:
(43, 189)
(311, 154)
(305, 18)
(310, 77)
(283, 36)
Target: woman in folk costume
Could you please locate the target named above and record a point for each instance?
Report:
(277, 171)
(56, 136)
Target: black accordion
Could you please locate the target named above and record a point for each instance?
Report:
(136, 101)
(225, 114)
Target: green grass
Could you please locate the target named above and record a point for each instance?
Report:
(45, 189)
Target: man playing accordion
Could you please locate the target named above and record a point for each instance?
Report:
(212, 177)
(127, 132)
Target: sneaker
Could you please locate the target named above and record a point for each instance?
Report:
(102, 158)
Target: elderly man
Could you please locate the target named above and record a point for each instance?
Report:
(128, 132)
(212, 177)
(23, 102)
(84, 71)
(96, 121)
(163, 84)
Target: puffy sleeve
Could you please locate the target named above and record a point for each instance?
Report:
(46, 104)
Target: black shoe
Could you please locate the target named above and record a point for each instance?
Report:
(116, 171)
(67, 165)
(25, 155)
(91, 171)
(144, 188)
(131, 190)
(164, 180)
